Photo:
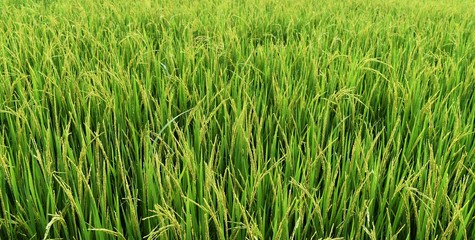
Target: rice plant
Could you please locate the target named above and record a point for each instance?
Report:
(270, 119)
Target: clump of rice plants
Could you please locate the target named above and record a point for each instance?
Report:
(270, 119)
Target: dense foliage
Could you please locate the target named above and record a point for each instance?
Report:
(271, 119)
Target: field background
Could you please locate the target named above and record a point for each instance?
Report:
(270, 119)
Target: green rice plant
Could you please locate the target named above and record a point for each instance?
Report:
(270, 119)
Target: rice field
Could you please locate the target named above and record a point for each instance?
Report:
(269, 119)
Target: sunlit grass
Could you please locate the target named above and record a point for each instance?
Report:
(207, 119)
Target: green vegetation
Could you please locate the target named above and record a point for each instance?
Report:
(271, 119)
